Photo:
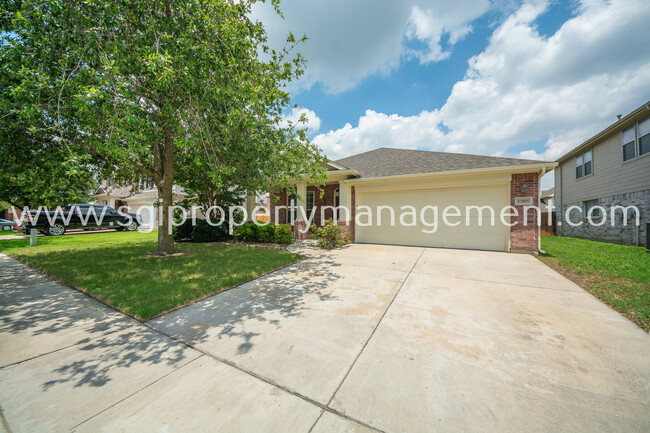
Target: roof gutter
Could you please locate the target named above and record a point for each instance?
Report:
(526, 168)
(337, 173)
(539, 206)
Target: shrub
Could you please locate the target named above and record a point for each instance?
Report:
(204, 232)
(266, 233)
(330, 235)
(246, 232)
(283, 234)
(183, 231)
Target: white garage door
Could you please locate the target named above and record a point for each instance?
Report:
(467, 234)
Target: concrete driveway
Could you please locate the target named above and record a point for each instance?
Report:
(364, 338)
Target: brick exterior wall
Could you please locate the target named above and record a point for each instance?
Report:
(617, 233)
(326, 200)
(319, 202)
(524, 237)
(282, 213)
(9, 215)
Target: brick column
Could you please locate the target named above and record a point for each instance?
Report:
(524, 237)
(297, 234)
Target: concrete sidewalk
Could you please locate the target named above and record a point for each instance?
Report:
(65, 359)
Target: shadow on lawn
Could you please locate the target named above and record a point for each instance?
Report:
(276, 296)
(97, 341)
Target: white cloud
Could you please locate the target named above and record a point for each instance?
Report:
(430, 24)
(351, 40)
(312, 123)
(377, 130)
(526, 87)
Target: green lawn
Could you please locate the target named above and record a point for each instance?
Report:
(115, 268)
(8, 232)
(617, 274)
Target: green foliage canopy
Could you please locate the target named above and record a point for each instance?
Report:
(183, 92)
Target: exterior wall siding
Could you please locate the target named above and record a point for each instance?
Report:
(613, 183)
(611, 176)
(524, 236)
(617, 233)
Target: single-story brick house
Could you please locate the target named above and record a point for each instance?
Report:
(423, 179)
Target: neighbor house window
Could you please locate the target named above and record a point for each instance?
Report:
(583, 164)
(644, 136)
(310, 202)
(629, 147)
(588, 205)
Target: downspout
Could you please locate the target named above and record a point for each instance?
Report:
(558, 216)
(539, 208)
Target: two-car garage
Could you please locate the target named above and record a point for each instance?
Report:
(462, 228)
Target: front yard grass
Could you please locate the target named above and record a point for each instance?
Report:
(619, 275)
(117, 268)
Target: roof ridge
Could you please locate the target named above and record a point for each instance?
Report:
(440, 153)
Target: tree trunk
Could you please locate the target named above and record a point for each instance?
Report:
(164, 167)
(165, 187)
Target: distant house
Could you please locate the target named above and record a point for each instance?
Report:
(10, 215)
(547, 197)
(141, 198)
(546, 207)
(612, 168)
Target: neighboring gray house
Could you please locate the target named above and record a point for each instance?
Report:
(612, 168)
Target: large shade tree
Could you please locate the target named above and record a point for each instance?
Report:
(41, 163)
(160, 89)
(36, 174)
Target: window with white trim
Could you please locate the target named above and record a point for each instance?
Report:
(584, 164)
(587, 205)
(628, 143)
(310, 202)
(644, 135)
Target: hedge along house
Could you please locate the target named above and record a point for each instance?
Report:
(393, 178)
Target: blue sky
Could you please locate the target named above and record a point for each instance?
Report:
(414, 87)
(525, 79)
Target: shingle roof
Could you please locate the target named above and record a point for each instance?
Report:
(122, 191)
(394, 162)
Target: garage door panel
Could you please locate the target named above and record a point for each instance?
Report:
(468, 234)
